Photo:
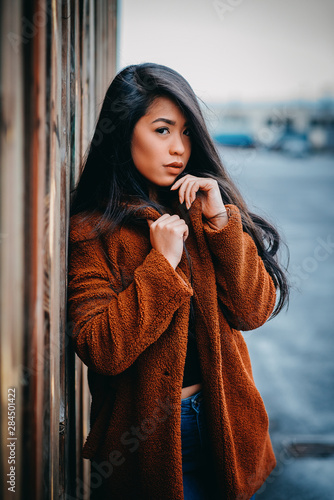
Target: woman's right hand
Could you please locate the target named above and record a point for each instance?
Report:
(167, 235)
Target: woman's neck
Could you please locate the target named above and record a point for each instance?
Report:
(164, 197)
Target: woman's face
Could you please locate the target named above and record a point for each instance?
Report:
(161, 144)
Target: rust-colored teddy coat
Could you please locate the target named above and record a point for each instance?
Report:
(130, 311)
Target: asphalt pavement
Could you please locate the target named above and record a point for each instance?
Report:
(293, 354)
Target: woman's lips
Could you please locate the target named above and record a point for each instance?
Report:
(175, 164)
(175, 167)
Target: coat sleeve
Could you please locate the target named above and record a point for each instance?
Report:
(246, 291)
(111, 329)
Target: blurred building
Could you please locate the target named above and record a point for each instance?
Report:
(57, 59)
(296, 127)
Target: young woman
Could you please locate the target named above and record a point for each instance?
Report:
(166, 266)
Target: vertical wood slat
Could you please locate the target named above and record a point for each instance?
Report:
(87, 122)
(54, 243)
(112, 40)
(90, 110)
(105, 45)
(100, 47)
(35, 171)
(12, 238)
(75, 165)
(65, 467)
(76, 93)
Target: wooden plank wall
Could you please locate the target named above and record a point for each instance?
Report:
(57, 59)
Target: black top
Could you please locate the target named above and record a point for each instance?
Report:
(192, 369)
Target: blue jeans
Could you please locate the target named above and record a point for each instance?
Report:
(199, 481)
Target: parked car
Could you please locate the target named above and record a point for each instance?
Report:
(235, 139)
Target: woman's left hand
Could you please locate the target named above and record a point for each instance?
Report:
(207, 190)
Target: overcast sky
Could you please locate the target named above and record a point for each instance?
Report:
(235, 49)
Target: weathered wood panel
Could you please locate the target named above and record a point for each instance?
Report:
(57, 58)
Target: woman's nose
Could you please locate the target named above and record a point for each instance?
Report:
(176, 145)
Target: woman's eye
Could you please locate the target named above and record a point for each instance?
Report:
(187, 132)
(162, 130)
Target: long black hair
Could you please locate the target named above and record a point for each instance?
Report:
(111, 185)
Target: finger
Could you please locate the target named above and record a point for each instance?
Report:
(181, 182)
(153, 224)
(163, 218)
(182, 189)
(178, 183)
(184, 231)
(190, 193)
(163, 222)
(176, 224)
(180, 229)
(191, 186)
(194, 191)
(169, 218)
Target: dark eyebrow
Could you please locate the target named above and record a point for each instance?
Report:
(166, 120)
